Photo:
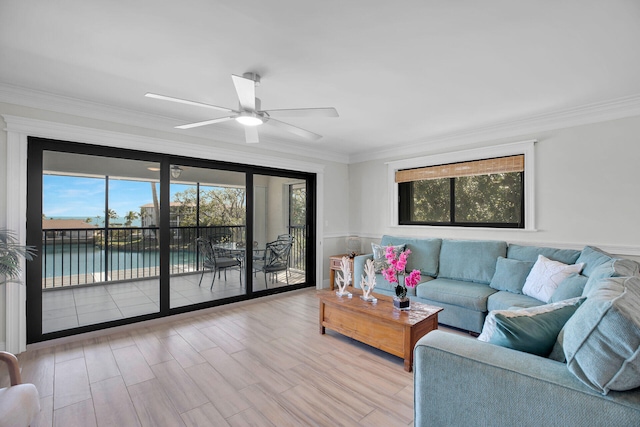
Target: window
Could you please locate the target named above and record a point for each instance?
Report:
(479, 193)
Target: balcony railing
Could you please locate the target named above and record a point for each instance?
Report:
(81, 256)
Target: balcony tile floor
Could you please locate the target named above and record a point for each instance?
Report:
(67, 308)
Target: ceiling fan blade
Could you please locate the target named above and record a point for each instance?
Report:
(304, 112)
(295, 130)
(186, 101)
(246, 90)
(206, 122)
(251, 134)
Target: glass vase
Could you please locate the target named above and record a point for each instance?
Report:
(402, 303)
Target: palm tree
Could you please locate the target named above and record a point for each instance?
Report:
(130, 217)
(10, 253)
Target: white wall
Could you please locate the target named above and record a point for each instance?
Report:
(587, 185)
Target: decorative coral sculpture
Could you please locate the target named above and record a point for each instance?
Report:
(369, 283)
(344, 279)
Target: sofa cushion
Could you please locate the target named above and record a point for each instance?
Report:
(510, 275)
(570, 287)
(379, 260)
(615, 267)
(503, 300)
(463, 294)
(602, 340)
(532, 330)
(470, 260)
(592, 257)
(545, 276)
(425, 253)
(530, 253)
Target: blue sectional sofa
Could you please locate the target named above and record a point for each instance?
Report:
(457, 275)
(592, 376)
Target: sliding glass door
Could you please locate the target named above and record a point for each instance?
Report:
(125, 236)
(99, 263)
(280, 232)
(208, 234)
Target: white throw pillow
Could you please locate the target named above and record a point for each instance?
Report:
(545, 276)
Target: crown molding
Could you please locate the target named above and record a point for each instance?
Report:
(25, 97)
(618, 108)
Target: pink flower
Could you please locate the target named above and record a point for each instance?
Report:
(401, 263)
(398, 264)
(390, 275)
(412, 279)
(389, 254)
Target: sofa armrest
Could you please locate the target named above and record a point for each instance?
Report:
(358, 268)
(459, 380)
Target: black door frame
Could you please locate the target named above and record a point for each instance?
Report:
(36, 147)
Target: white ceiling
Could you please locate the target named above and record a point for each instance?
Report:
(398, 72)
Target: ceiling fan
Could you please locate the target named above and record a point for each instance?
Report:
(249, 113)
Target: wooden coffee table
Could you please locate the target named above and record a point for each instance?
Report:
(379, 325)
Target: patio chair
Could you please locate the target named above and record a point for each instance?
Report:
(258, 254)
(215, 262)
(276, 259)
(285, 237)
(19, 403)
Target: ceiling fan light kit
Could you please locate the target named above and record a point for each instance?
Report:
(249, 113)
(248, 118)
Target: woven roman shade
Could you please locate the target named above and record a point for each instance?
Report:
(472, 168)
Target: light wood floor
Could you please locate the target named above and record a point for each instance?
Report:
(260, 363)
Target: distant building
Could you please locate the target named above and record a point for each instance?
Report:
(148, 214)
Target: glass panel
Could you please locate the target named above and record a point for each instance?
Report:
(431, 201)
(495, 198)
(99, 263)
(208, 247)
(279, 221)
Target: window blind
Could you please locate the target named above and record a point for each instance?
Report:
(471, 168)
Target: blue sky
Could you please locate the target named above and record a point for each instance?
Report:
(66, 196)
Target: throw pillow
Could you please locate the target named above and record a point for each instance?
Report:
(592, 257)
(570, 287)
(602, 340)
(533, 330)
(379, 260)
(545, 276)
(510, 275)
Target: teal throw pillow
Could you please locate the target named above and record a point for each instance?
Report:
(570, 287)
(592, 257)
(602, 340)
(532, 330)
(510, 275)
(379, 259)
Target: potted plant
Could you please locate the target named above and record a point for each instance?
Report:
(10, 253)
(394, 273)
